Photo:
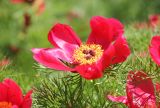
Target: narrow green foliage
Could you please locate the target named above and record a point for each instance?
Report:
(65, 92)
(72, 91)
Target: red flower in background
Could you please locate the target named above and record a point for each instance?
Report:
(139, 90)
(105, 46)
(4, 62)
(17, 1)
(23, 1)
(39, 5)
(11, 96)
(154, 20)
(152, 23)
(154, 49)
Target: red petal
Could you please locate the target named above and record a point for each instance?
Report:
(51, 58)
(27, 101)
(104, 30)
(108, 55)
(15, 106)
(3, 92)
(154, 49)
(90, 72)
(158, 87)
(63, 36)
(122, 99)
(14, 93)
(58, 53)
(118, 28)
(122, 50)
(140, 90)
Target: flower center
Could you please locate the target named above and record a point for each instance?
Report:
(87, 54)
(5, 105)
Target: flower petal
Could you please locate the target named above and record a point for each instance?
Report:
(122, 99)
(108, 56)
(14, 106)
(3, 92)
(158, 87)
(90, 72)
(122, 50)
(62, 36)
(118, 28)
(14, 93)
(154, 49)
(140, 90)
(27, 101)
(51, 58)
(104, 30)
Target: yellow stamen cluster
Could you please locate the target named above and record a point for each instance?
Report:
(87, 54)
(5, 105)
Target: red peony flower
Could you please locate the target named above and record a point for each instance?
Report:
(11, 96)
(104, 47)
(154, 49)
(139, 90)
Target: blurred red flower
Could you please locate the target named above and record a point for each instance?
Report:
(38, 5)
(105, 46)
(4, 62)
(22, 1)
(11, 96)
(139, 90)
(154, 20)
(152, 23)
(17, 1)
(154, 49)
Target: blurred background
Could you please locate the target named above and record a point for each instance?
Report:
(24, 24)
